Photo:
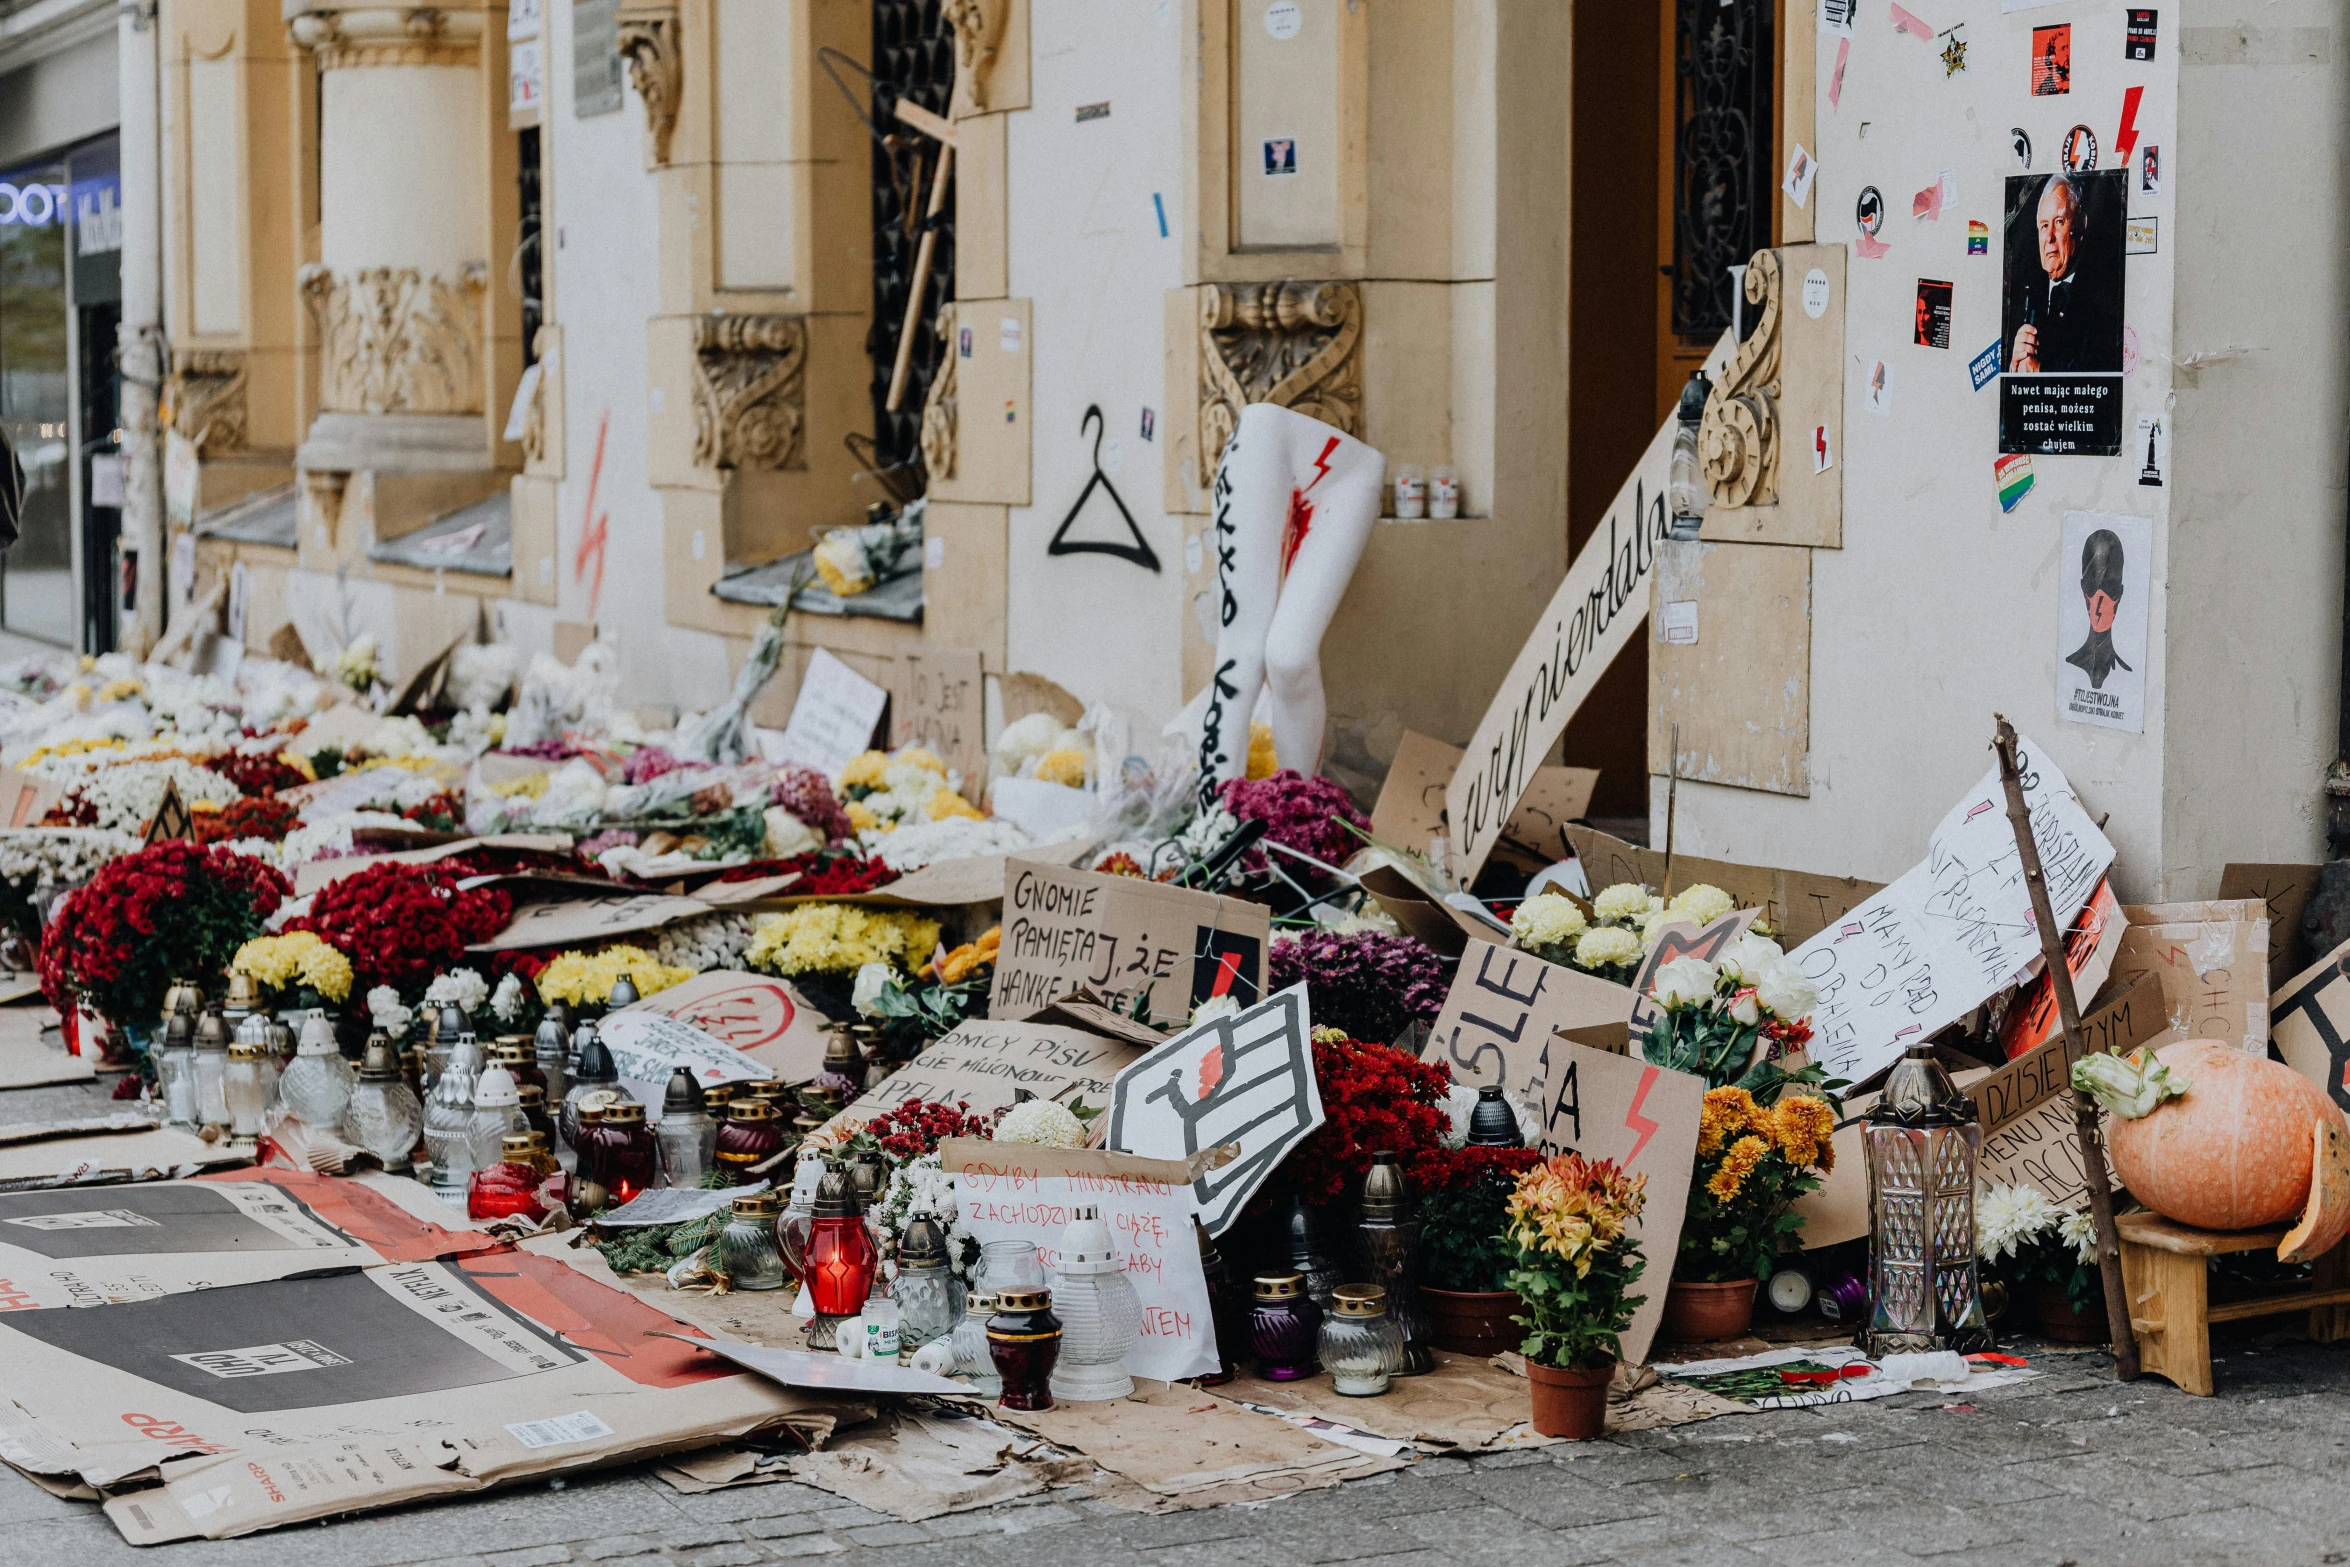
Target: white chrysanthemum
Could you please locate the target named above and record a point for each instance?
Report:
(1621, 902)
(1783, 987)
(1608, 946)
(955, 838)
(1701, 904)
(713, 941)
(2009, 1217)
(463, 986)
(1550, 920)
(1044, 1123)
(386, 1012)
(917, 1188)
(2079, 1231)
(509, 999)
(1685, 982)
(1207, 832)
(126, 797)
(36, 861)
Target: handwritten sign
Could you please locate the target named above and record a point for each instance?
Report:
(1009, 1192)
(647, 1047)
(1245, 1080)
(2212, 959)
(940, 708)
(1410, 808)
(985, 1063)
(1645, 1118)
(1120, 937)
(575, 922)
(1679, 939)
(757, 1014)
(1954, 928)
(833, 718)
(2310, 1019)
(1502, 1009)
(2286, 889)
(2026, 1107)
(1795, 904)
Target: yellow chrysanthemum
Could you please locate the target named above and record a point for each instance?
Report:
(1801, 1127)
(120, 689)
(861, 816)
(66, 748)
(587, 978)
(1574, 1208)
(833, 938)
(1064, 766)
(301, 764)
(1739, 1163)
(864, 770)
(530, 786)
(918, 756)
(1263, 759)
(1726, 1113)
(297, 959)
(947, 803)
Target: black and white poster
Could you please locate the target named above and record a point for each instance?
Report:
(2061, 313)
(2102, 603)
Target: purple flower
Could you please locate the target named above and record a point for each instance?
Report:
(1371, 985)
(1307, 814)
(807, 794)
(647, 763)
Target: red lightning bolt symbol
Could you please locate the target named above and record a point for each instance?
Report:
(1638, 1122)
(2127, 137)
(1322, 463)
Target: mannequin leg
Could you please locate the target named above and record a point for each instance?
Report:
(1247, 537)
(1345, 505)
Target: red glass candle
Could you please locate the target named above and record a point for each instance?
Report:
(511, 1187)
(841, 1257)
(514, 1053)
(752, 1133)
(1024, 1341)
(631, 1153)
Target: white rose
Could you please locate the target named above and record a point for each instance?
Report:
(1785, 990)
(1747, 955)
(1684, 982)
(872, 981)
(1745, 1009)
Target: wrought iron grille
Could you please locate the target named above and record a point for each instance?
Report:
(1723, 179)
(913, 55)
(529, 260)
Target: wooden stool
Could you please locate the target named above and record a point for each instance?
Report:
(2166, 1269)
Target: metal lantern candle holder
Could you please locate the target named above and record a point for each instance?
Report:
(1923, 1142)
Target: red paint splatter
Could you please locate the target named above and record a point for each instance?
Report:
(1211, 1071)
(595, 526)
(1294, 531)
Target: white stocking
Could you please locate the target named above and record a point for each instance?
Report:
(1291, 484)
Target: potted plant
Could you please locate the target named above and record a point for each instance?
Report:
(1576, 1265)
(1753, 1162)
(1465, 1258)
(2045, 1254)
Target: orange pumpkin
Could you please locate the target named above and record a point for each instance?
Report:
(2327, 1218)
(2236, 1152)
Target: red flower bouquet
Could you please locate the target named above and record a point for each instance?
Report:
(172, 909)
(255, 772)
(255, 816)
(400, 925)
(1375, 1099)
(820, 875)
(917, 1127)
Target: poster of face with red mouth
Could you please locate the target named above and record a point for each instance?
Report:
(2101, 620)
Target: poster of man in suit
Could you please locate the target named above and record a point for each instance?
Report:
(2061, 312)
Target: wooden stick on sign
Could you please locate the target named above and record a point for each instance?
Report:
(2060, 978)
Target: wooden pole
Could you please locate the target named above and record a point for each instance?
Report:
(1672, 799)
(938, 200)
(2060, 978)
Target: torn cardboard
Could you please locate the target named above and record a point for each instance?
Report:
(1503, 1008)
(1120, 938)
(145, 1153)
(914, 1465)
(2286, 889)
(1796, 905)
(2212, 960)
(757, 1014)
(984, 1064)
(1410, 807)
(579, 922)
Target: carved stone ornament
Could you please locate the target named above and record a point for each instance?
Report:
(1295, 344)
(1738, 440)
(979, 26)
(750, 391)
(408, 35)
(938, 410)
(394, 341)
(656, 69)
(534, 413)
(207, 399)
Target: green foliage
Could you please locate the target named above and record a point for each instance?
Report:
(914, 1015)
(1571, 1321)
(1462, 1246)
(1744, 1237)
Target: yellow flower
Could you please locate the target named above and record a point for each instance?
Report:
(918, 756)
(1263, 760)
(947, 803)
(587, 978)
(1737, 1165)
(1802, 1126)
(1702, 904)
(970, 957)
(301, 764)
(1574, 1208)
(300, 958)
(1726, 1113)
(865, 768)
(833, 938)
(861, 816)
(66, 748)
(530, 786)
(119, 689)
(1065, 766)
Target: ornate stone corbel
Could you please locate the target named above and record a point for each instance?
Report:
(392, 340)
(207, 399)
(750, 391)
(979, 26)
(1291, 343)
(656, 68)
(938, 409)
(388, 35)
(1738, 440)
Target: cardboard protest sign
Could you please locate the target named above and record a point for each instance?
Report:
(1645, 1118)
(1009, 1192)
(1795, 904)
(2286, 889)
(1502, 1009)
(833, 718)
(1082, 1009)
(2089, 950)
(1121, 937)
(25, 799)
(984, 1063)
(579, 922)
(1679, 939)
(2212, 959)
(757, 1014)
(1247, 1079)
(314, 874)
(1955, 927)
(109, 1245)
(142, 1150)
(2309, 1019)
(940, 706)
(648, 1047)
(1410, 808)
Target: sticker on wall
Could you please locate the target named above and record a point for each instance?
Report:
(1953, 42)
(2129, 349)
(1868, 215)
(1822, 458)
(1800, 170)
(1836, 77)
(1912, 24)
(1093, 111)
(2138, 34)
(2079, 153)
(1281, 155)
(2125, 137)
(1836, 16)
(2061, 314)
(1978, 237)
(1984, 367)
(1284, 19)
(1139, 552)
(2138, 236)
(2101, 620)
(2150, 170)
(2153, 449)
(1815, 293)
(1011, 410)
(962, 342)
(1159, 209)
(1933, 324)
(1677, 622)
(2052, 60)
(2012, 474)
(1150, 424)
(1928, 203)
(1877, 397)
(1008, 334)
(2023, 147)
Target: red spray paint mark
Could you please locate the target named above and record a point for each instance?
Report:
(1638, 1122)
(595, 526)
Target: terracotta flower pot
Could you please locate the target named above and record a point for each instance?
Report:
(2060, 1324)
(1695, 1312)
(1472, 1322)
(1570, 1401)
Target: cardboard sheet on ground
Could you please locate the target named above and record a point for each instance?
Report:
(915, 1465)
(757, 1014)
(2212, 960)
(648, 1048)
(1503, 1008)
(30, 1057)
(1246, 1080)
(276, 1402)
(1009, 1192)
(2310, 1023)
(314, 874)
(1120, 937)
(827, 1372)
(1644, 1117)
(1410, 807)
(573, 922)
(1467, 1404)
(1796, 904)
(111, 1245)
(136, 1152)
(1954, 928)
(1195, 1448)
(985, 1063)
